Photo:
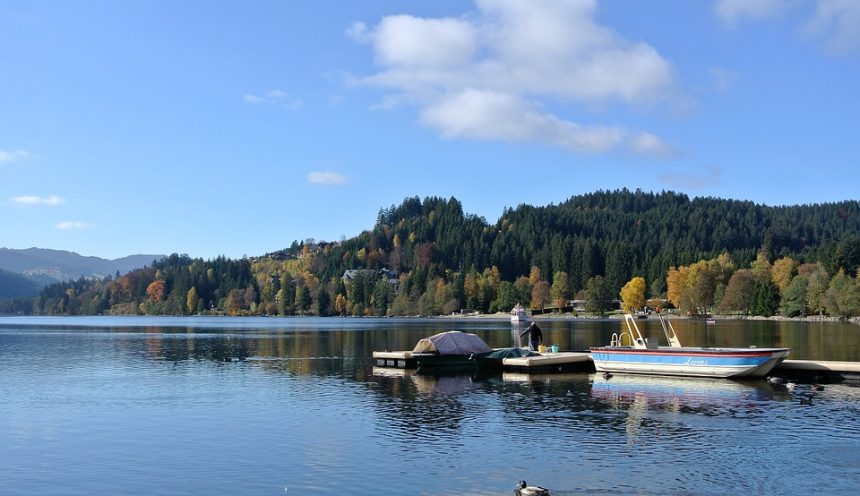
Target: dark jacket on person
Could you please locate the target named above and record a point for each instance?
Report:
(535, 335)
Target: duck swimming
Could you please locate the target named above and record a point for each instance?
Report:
(523, 489)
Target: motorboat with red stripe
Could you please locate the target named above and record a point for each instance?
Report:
(639, 356)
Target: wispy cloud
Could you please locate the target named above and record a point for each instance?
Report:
(31, 200)
(730, 12)
(72, 225)
(492, 75)
(13, 155)
(837, 24)
(274, 97)
(649, 144)
(692, 182)
(326, 179)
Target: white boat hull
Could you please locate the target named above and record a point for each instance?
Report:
(689, 362)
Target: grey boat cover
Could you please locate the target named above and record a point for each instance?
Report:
(452, 343)
(510, 353)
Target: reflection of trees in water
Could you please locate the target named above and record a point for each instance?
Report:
(177, 343)
(418, 407)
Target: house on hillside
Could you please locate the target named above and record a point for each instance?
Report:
(388, 275)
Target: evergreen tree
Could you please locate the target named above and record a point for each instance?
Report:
(598, 296)
(794, 297)
(765, 300)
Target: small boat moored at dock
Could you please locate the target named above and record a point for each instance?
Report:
(642, 357)
(448, 350)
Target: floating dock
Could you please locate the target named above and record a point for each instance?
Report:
(819, 371)
(562, 361)
(570, 361)
(395, 359)
(565, 361)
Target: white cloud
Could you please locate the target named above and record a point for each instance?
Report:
(649, 144)
(732, 11)
(326, 179)
(837, 23)
(30, 200)
(510, 60)
(690, 181)
(486, 115)
(72, 224)
(407, 41)
(274, 97)
(357, 32)
(13, 155)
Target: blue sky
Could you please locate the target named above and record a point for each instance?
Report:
(234, 128)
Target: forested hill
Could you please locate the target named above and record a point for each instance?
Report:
(429, 256)
(617, 234)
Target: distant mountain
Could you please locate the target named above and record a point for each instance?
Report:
(17, 286)
(43, 266)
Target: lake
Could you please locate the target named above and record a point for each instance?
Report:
(269, 406)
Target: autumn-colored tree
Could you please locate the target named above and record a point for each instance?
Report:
(843, 295)
(155, 291)
(191, 300)
(560, 291)
(701, 287)
(235, 301)
(723, 268)
(340, 304)
(633, 294)
(523, 289)
(782, 272)
(761, 268)
(540, 295)
(739, 292)
(470, 288)
(817, 287)
(535, 275)
(676, 283)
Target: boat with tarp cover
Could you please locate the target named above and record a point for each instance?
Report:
(639, 356)
(447, 350)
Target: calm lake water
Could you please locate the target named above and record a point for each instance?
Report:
(269, 406)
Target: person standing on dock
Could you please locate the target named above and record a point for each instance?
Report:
(535, 336)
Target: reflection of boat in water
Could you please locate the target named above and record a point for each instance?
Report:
(646, 400)
(518, 314)
(452, 350)
(641, 357)
(685, 390)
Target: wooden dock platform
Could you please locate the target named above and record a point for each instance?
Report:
(545, 362)
(819, 371)
(580, 361)
(563, 361)
(396, 359)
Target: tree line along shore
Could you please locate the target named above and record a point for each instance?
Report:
(426, 257)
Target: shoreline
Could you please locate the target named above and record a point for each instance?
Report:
(618, 316)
